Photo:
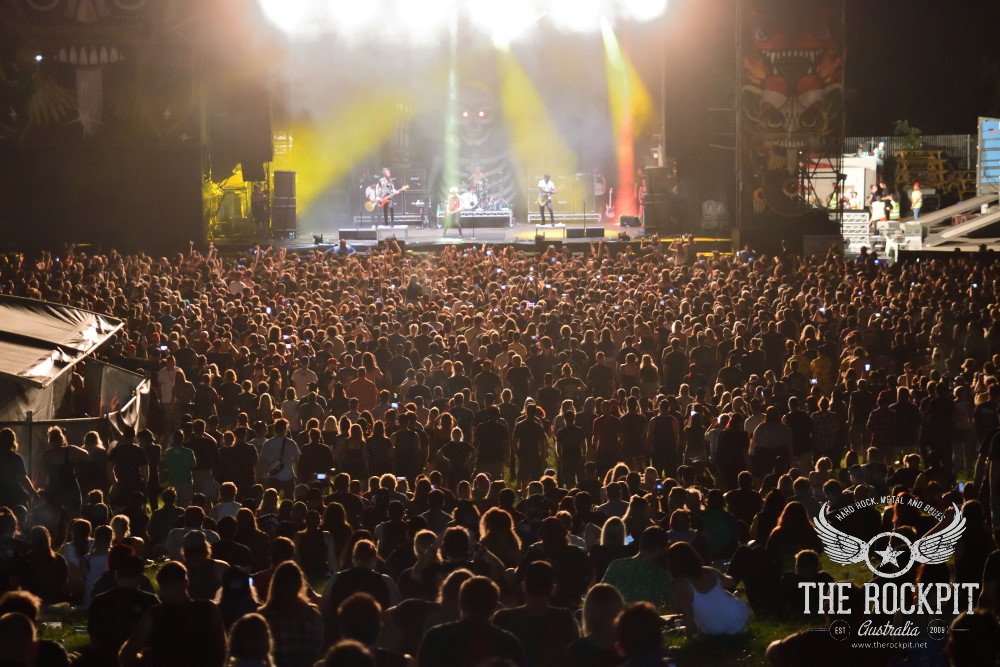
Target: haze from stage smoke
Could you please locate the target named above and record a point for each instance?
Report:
(422, 21)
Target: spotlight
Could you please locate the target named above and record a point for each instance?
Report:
(643, 10)
(482, 113)
(577, 15)
(507, 21)
(465, 114)
(39, 57)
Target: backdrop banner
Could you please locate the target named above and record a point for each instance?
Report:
(791, 102)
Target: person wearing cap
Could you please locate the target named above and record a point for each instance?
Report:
(916, 200)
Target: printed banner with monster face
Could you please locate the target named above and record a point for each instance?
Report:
(791, 102)
(113, 70)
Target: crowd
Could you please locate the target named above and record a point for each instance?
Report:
(482, 456)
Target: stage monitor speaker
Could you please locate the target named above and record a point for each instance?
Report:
(630, 221)
(585, 232)
(414, 202)
(415, 178)
(366, 234)
(657, 180)
(284, 184)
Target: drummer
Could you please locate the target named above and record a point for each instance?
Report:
(478, 180)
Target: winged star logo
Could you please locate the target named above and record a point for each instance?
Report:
(896, 550)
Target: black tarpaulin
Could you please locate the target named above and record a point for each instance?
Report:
(39, 340)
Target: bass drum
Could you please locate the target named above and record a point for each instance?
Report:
(469, 200)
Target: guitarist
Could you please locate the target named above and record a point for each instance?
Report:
(371, 195)
(387, 189)
(546, 188)
(454, 213)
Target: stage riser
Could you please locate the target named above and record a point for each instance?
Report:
(588, 220)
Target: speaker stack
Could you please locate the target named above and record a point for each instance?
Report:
(414, 202)
(658, 213)
(283, 215)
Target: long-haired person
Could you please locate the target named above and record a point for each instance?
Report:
(62, 487)
(296, 624)
(49, 572)
(497, 534)
(793, 532)
(250, 643)
(596, 648)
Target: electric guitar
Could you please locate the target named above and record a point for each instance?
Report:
(545, 196)
(371, 205)
(609, 210)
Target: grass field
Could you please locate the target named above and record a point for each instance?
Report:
(746, 648)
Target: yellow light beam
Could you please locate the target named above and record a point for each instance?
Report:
(535, 143)
(324, 152)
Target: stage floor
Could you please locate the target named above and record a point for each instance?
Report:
(519, 235)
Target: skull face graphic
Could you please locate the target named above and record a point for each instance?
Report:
(791, 94)
(475, 114)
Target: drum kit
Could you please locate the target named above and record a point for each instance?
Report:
(482, 196)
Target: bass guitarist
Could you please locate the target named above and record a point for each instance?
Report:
(386, 188)
(546, 188)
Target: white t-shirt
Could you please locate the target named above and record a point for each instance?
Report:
(546, 186)
(229, 508)
(271, 453)
(165, 379)
(301, 378)
(290, 411)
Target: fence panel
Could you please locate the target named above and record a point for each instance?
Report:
(959, 148)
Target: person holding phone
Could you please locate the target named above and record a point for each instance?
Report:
(316, 457)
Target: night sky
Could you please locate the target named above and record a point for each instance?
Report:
(924, 61)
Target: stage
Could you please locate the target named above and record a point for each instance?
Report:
(517, 233)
